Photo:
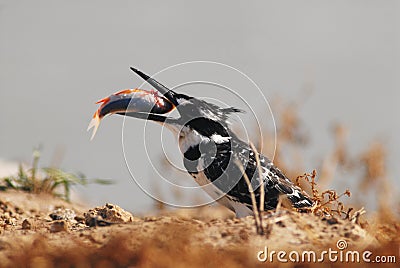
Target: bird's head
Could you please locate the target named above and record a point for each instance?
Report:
(205, 118)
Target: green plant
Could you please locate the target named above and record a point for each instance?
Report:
(46, 180)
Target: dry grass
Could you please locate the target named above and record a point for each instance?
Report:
(46, 180)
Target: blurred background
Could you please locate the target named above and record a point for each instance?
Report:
(339, 61)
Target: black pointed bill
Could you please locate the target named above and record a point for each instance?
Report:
(169, 94)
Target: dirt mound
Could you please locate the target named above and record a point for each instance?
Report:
(42, 231)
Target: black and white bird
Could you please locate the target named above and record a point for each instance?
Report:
(212, 153)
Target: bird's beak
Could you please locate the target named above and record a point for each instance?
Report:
(169, 94)
(132, 102)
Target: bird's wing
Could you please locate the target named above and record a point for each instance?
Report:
(275, 182)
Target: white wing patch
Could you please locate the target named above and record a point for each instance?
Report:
(295, 193)
(219, 139)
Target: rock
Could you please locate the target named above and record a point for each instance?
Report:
(62, 214)
(80, 219)
(59, 226)
(331, 221)
(19, 210)
(26, 225)
(10, 221)
(92, 221)
(106, 215)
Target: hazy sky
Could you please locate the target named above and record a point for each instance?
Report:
(58, 57)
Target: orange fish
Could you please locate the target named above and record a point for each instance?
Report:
(130, 101)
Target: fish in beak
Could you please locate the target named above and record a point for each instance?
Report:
(133, 102)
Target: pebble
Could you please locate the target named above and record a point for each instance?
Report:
(63, 214)
(26, 225)
(59, 226)
(106, 215)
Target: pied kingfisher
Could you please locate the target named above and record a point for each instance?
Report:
(212, 152)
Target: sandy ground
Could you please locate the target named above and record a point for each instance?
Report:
(44, 231)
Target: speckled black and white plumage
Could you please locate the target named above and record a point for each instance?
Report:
(212, 151)
(213, 164)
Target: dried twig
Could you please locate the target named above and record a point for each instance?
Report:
(259, 227)
(322, 207)
(262, 192)
(356, 216)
